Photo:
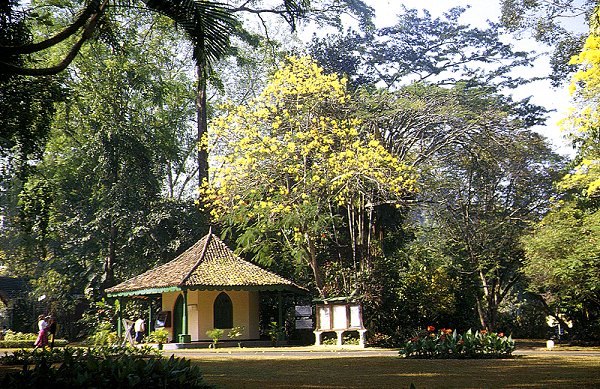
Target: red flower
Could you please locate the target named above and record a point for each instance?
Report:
(483, 332)
(447, 331)
(501, 334)
(430, 328)
(461, 342)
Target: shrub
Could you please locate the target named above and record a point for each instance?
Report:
(330, 339)
(236, 332)
(29, 343)
(15, 336)
(31, 357)
(215, 334)
(104, 336)
(275, 331)
(159, 336)
(447, 343)
(124, 367)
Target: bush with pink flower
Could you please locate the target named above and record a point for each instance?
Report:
(447, 343)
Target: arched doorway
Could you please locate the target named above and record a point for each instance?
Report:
(223, 311)
(177, 318)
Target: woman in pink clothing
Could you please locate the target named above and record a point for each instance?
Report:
(42, 339)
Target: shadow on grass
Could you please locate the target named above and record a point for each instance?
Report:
(393, 372)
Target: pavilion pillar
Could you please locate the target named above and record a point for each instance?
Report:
(184, 337)
(119, 318)
(149, 327)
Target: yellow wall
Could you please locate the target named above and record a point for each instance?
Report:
(193, 315)
(168, 304)
(200, 312)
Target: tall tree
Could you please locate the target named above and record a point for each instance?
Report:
(208, 24)
(562, 252)
(487, 194)
(550, 22)
(307, 165)
(117, 141)
(422, 48)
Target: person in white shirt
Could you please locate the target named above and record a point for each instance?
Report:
(140, 328)
(42, 339)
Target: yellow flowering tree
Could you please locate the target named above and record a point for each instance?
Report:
(563, 252)
(583, 122)
(292, 164)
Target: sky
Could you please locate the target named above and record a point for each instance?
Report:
(541, 92)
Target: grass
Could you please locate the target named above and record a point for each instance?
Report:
(394, 372)
(225, 369)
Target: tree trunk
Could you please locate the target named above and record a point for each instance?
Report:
(483, 320)
(202, 136)
(312, 252)
(111, 257)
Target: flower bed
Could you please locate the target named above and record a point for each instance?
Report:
(447, 343)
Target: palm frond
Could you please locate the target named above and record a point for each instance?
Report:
(209, 25)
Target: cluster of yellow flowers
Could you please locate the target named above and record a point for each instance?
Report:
(582, 123)
(290, 148)
(590, 72)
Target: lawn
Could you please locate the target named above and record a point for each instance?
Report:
(393, 372)
(253, 368)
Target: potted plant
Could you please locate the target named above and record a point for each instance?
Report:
(215, 334)
(160, 336)
(235, 333)
(275, 332)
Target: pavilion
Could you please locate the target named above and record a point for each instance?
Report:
(206, 287)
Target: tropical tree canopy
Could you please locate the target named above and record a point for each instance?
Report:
(291, 158)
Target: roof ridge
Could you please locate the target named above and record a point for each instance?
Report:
(202, 255)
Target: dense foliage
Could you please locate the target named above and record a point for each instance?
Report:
(563, 260)
(105, 368)
(394, 167)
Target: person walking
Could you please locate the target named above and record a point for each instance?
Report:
(52, 327)
(42, 339)
(140, 328)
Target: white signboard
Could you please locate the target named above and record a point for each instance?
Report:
(303, 310)
(354, 316)
(339, 316)
(324, 318)
(304, 324)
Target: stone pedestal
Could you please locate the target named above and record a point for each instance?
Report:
(318, 337)
(361, 338)
(339, 338)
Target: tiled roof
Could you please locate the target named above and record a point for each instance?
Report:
(208, 264)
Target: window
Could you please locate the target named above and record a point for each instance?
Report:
(223, 311)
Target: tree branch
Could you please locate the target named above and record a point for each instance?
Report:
(87, 12)
(87, 33)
